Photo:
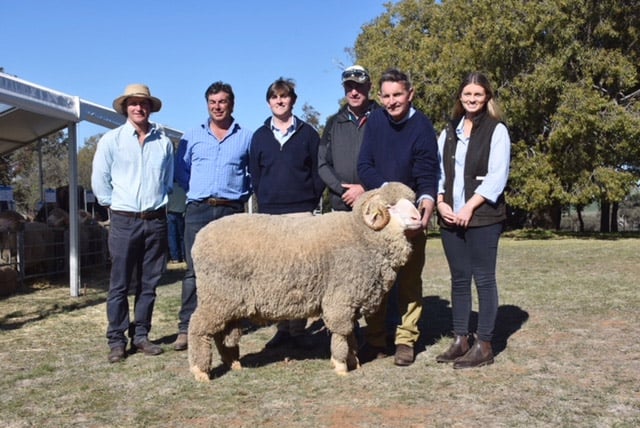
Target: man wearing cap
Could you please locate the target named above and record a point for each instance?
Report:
(133, 176)
(342, 137)
(212, 164)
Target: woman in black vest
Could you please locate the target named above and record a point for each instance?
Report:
(474, 167)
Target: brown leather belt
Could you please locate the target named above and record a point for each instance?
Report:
(215, 202)
(145, 215)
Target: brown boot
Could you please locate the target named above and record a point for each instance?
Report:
(480, 354)
(182, 342)
(458, 348)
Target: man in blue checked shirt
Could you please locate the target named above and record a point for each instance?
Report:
(212, 165)
(133, 175)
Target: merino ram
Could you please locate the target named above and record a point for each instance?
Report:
(267, 268)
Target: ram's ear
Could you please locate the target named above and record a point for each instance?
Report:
(375, 213)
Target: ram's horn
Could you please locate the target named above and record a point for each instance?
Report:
(376, 215)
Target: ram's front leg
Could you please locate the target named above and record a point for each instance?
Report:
(339, 353)
(199, 355)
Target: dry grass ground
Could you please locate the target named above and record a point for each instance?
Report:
(568, 355)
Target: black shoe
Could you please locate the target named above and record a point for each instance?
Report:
(117, 354)
(147, 347)
(281, 338)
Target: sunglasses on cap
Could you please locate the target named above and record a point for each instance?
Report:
(356, 75)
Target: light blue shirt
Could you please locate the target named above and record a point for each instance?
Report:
(283, 137)
(128, 176)
(494, 182)
(207, 167)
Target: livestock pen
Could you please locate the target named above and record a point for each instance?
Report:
(37, 250)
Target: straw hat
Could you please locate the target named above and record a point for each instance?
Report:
(137, 90)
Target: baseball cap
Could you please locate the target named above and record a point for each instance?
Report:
(356, 73)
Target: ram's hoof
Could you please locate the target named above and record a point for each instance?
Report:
(199, 374)
(339, 367)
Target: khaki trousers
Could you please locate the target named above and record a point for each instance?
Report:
(409, 287)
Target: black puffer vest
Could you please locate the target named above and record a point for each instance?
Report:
(475, 169)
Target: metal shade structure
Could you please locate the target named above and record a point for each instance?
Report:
(29, 112)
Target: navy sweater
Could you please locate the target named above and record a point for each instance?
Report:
(285, 178)
(405, 152)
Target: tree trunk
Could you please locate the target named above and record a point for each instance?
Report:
(580, 219)
(604, 216)
(556, 216)
(614, 217)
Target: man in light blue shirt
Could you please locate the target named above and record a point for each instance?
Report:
(133, 175)
(212, 165)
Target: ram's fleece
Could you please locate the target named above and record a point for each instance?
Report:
(268, 267)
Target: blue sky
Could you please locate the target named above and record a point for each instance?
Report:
(93, 49)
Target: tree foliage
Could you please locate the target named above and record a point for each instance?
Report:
(85, 160)
(566, 72)
(28, 178)
(312, 117)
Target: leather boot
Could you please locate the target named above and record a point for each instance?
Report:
(480, 354)
(458, 348)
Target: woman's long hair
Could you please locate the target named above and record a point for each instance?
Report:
(491, 106)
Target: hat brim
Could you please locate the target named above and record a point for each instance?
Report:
(118, 103)
(361, 80)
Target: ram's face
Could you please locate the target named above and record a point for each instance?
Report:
(403, 213)
(406, 214)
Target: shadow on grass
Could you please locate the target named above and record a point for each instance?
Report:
(437, 322)
(93, 292)
(319, 337)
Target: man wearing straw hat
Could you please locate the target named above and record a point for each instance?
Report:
(133, 175)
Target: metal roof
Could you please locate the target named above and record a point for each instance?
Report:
(29, 112)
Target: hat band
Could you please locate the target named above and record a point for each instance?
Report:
(359, 75)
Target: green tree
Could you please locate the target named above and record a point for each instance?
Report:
(312, 117)
(85, 160)
(53, 152)
(567, 74)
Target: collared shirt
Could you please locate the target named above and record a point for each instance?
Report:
(494, 182)
(128, 176)
(408, 116)
(358, 121)
(207, 167)
(283, 137)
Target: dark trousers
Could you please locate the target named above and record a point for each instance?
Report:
(197, 216)
(471, 254)
(137, 247)
(175, 223)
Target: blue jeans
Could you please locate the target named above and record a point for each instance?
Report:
(175, 222)
(471, 254)
(197, 216)
(137, 247)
